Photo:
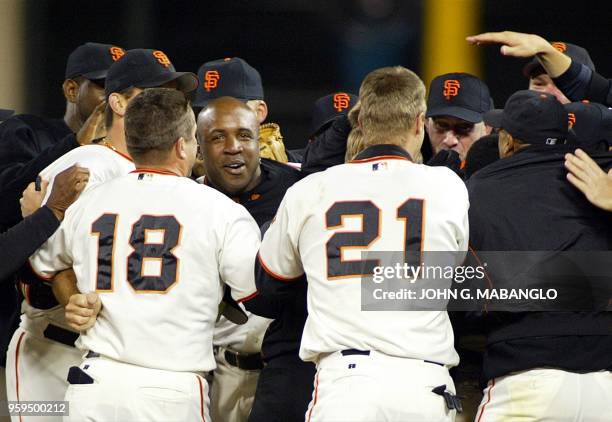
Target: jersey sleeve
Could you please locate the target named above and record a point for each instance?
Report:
(279, 259)
(237, 254)
(54, 255)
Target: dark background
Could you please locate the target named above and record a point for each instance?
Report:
(303, 49)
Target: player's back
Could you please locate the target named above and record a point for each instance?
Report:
(373, 205)
(154, 246)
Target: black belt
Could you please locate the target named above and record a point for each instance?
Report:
(61, 335)
(350, 352)
(248, 362)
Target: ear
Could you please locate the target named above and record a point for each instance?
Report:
(117, 103)
(71, 90)
(262, 111)
(419, 127)
(488, 130)
(180, 148)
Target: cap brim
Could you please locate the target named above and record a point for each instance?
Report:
(98, 74)
(458, 112)
(530, 68)
(493, 118)
(186, 81)
(203, 102)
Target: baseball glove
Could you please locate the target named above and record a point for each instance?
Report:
(271, 143)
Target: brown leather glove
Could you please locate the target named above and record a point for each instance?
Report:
(271, 143)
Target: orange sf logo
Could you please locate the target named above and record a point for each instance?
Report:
(451, 88)
(571, 119)
(211, 80)
(560, 46)
(116, 53)
(341, 101)
(162, 58)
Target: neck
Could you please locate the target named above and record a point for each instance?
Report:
(72, 119)
(115, 136)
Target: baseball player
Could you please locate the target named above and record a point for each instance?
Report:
(158, 268)
(43, 330)
(30, 143)
(541, 365)
(455, 107)
(370, 366)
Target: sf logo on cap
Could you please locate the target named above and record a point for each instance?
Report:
(211, 80)
(341, 101)
(571, 120)
(451, 88)
(116, 53)
(162, 58)
(560, 46)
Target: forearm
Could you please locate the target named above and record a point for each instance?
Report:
(64, 286)
(553, 61)
(20, 241)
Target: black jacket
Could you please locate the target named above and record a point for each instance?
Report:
(525, 203)
(579, 83)
(28, 144)
(328, 148)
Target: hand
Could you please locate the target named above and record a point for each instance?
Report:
(67, 187)
(94, 127)
(517, 44)
(82, 311)
(31, 198)
(590, 179)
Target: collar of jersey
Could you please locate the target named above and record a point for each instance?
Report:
(382, 152)
(155, 171)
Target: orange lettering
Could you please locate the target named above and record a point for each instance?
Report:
(560, 46)
(116, 53)
(341, 101)
(451, 88)
(162, 58)
(571, 120)
(211, 80)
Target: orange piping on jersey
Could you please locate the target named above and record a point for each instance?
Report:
(155, 171)
(201, 398)
(17, 368)
(37, 274)
(276, 275)
(316, 396)
(249, 297)
(112, 148)
(462, 165)
(380, 157)
(488, 400)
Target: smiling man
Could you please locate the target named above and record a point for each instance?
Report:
(228, 131)
(455, 106)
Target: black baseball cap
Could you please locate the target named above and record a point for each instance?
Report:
(327, 108)
(92, 60)
(575, 52)
(591, 122)
(145, 68)
(532, 117)
(459, 95)
(229, 77)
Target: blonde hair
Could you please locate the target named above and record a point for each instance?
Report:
(390, 101)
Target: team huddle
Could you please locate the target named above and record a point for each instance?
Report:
(176, 263)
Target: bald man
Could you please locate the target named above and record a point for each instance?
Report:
(228, 132)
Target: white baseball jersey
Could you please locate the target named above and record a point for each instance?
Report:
(156, 247)
(376, 204)
(104, 164)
